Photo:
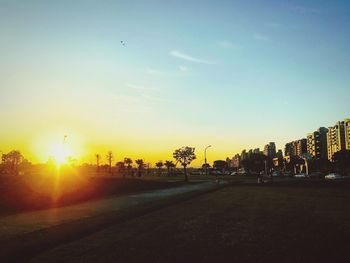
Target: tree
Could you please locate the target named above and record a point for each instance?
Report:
(121, 168)
(98, 157)
(140, 165)
(110, 159)
(220, 165)
(169, 165)
(159, 165)
(12, 160)
(127, 163)
(342, 161)
(185, 156)
(256, 163)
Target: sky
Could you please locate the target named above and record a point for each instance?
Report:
(231, 74)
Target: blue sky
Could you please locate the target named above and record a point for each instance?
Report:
(235, 74)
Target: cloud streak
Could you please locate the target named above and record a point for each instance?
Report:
(184, 56)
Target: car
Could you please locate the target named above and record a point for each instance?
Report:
(234, 173)
(300, 175)
(276, 173)
(333, 176)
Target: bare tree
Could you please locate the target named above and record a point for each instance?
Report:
(185, 156)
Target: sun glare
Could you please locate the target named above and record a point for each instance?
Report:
(60, 154)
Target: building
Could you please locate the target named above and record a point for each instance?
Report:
(256, 150)
(279, 154)
(296, 148)
(236, 161)
(347, 133)
(317, 143)
(336, 139)
(244, 155)
(270, 150)
(289, 150)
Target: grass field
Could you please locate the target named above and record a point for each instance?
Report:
(284, 222)
(21, 193)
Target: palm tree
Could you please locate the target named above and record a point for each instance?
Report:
(159, 164)
(110, 159)
(140, 165)
(98, 157)
(185, 156)
(169, 165)
(127, 163)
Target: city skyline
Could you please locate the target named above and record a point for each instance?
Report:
(261, 73)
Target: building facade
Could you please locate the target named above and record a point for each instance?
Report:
(296, 148)
(336, 139)
(270, 150)
(347, 133)
(317, 143)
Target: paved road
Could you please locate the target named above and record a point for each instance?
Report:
(23, 223)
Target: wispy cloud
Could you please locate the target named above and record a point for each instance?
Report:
(140, 87)
(260, 37)
(156, 72)
(178, 71)
(184, 56)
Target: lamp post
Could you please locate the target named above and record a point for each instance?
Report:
(205, 159)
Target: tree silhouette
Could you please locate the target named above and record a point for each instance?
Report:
(98, 157)
(121, 168)
(12, 160)
(159, 165)
(342, 161)
(169, 165)
(220, 165)
(140, 164)
(127, 163)
(185, 156)
(110, 159)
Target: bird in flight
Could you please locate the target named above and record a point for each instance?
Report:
(123, 43)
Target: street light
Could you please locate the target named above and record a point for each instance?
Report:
(205, 159)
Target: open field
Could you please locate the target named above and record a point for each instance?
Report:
(23, 193)
(299, 221)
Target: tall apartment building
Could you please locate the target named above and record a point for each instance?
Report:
(296, 148)
(317, 143)
(336, 139)
(270, 150)
(347, 133)
(236, 161)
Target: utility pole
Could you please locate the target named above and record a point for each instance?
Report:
(205, 159)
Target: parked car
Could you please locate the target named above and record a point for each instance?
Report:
(234, 173)
(276, 173)
(300, 175)
(333, 176)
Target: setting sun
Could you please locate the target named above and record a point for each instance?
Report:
(60, 153)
